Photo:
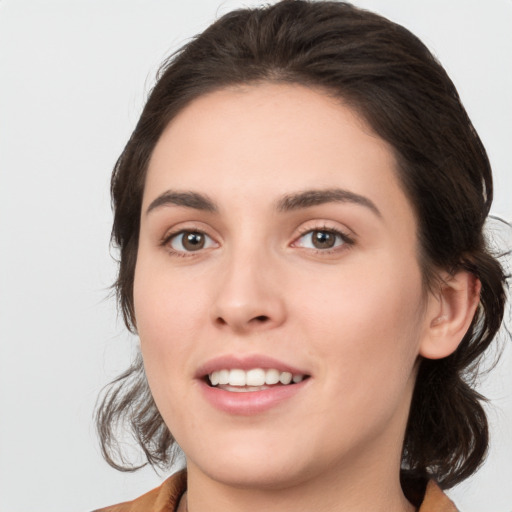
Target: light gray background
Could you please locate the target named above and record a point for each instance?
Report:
(74, 74)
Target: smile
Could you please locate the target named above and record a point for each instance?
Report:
(254, 379)
(250, 384)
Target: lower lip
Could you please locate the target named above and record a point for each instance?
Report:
(249, 403)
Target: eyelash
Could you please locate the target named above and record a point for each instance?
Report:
(166, 242)
(347, 240)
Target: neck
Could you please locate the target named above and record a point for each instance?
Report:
(365, 486)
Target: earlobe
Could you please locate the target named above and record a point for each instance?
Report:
(450, 314)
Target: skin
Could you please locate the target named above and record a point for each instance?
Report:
(355, 317)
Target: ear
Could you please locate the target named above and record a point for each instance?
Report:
(449, 314)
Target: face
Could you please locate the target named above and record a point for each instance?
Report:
(277, 244)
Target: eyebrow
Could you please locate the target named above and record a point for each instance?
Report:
(289, 202)
(310, 198)
(187, 199)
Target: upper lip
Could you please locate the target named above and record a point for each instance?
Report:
(246, 362)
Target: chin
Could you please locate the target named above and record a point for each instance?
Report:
(262, 475)
(243, 464)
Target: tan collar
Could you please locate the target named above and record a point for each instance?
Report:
(436, 500)
(166, 498)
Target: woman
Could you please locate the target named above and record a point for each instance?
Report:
(299, 213)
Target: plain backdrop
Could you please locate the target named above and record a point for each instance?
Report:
(73, 78)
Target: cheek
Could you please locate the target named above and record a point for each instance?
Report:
(164, 315)
(367, 323)
(169, 313)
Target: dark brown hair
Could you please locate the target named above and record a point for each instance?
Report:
(392, 80)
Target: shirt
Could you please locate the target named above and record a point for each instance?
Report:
(167, 497)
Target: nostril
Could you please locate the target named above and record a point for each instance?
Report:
(243, 322)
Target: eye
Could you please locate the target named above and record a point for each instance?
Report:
(190, 241)
(322, 239)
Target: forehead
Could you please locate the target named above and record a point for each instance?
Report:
(264, 140)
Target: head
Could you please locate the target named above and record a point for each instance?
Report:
(388, 86)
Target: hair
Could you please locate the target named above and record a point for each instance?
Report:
(388, 76)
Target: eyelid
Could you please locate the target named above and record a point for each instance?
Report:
(182, 228)
(346, 235)
(182, 233)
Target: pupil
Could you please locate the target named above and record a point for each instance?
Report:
(323, 239)
(193, 241)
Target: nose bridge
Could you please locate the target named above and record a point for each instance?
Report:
(248, 296)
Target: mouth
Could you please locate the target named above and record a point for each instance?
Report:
(251, 384)
(237, 380)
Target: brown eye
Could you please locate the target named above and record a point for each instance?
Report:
(190, 241)
(323, 239)
(193, 241)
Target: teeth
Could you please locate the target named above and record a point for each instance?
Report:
(272, 376)
(285, 378)
(214, 378)
(237, 378)
(223, 377)
(254, 378)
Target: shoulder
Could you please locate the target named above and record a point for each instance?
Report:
(436, 500)
(164, 498)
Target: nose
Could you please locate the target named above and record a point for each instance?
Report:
(249, 296)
